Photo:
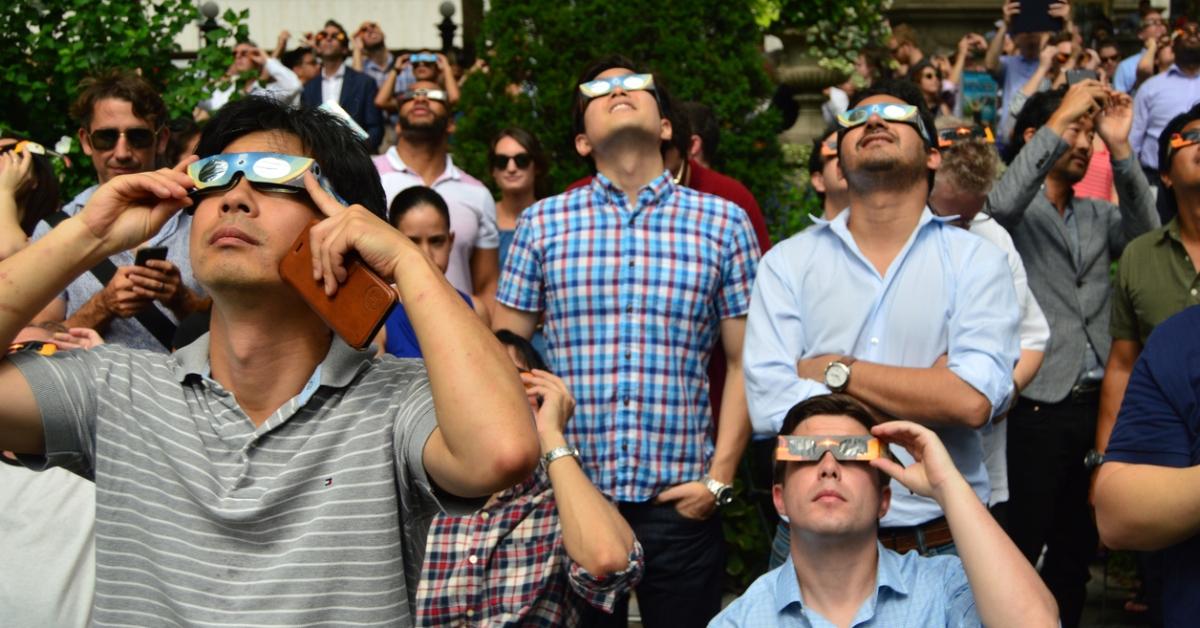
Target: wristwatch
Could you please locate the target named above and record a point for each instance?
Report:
(837, 374)
(559, 452)
(1093, 459)
(721, 491)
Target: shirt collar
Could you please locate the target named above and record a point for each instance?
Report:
(655, 192)
(887, 574)
(1170, 231)
(1174, 70)
(341, 73)
(341, 364)
(451, 172)
(841, 226)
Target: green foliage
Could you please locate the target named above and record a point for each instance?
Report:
(48, 46)
(704, 50)
(835, 30)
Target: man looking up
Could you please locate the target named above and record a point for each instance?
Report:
(1067, 244)
(636, 275)
(421, 156)
(345, 86)
(268, 432)
(914, 317)
(825, 176)
(122, 128)
(1150, 29)
(831, 477)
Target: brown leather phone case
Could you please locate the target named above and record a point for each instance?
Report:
(361, 304)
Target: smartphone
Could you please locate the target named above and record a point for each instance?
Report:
(149, 253)
(362, 302)
(1080, 74)
(1035, 18)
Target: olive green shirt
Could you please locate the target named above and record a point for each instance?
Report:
(1155, 279)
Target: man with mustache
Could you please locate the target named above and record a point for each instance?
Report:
(122, 127)
(1067, 244)
(1159, 99)
(890, 304)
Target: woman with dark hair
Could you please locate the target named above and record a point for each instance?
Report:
(519, 168)
(28, 192)
(928, 79)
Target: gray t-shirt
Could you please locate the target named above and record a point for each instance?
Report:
(318, 516)
(128, 331)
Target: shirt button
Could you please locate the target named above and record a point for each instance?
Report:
(470, 613)
(628, 354)
(629, 309)
(485, 516)
(631, 263)
(472, 559)
(626, 400)
(1193, 292)
(874, 341)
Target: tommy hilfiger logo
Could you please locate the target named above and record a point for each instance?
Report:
(329, 481)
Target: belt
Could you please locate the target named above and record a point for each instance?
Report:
(1084, 391)
(922, 538)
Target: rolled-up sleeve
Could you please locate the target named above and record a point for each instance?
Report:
(983, 327)
(602, 592)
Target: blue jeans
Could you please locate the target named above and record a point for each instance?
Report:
(781, 545)
(685, 569)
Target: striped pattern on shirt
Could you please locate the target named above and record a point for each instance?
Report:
(634, 291)
(318, 516)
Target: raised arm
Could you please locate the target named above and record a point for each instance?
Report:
(485, 440)
(14, 174)
(385, 100)
(123, 213)
(992, 59)
(448, 80)
(1134, 197)
(1007, 590)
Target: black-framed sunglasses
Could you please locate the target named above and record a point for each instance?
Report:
(138, 137)
(500, 162)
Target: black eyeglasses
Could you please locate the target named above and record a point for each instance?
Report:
(500, 162)
(1107, 58)
(106, 139)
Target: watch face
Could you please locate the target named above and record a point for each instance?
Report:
(836, 375)
(725, 496)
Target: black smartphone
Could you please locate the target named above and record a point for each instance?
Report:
(1079, 74)
(1035, 18)
(149, 253)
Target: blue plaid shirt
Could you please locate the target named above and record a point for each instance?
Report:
(633, 294)
(910, 590)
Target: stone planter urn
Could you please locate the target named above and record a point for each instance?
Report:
(800, 72)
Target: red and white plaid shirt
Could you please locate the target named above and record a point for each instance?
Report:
(506, 565)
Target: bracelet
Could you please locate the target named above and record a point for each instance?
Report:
(559, 452)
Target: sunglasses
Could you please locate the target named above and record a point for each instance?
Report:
(1180, 141)
(500, 162)
(844, 448)
(892, 112)
(35, 346)
(628, 82)
(427, 94)
(368, 26)
(106, 139)
(423, 57)
(266, 172)
(321, 36)
(950, 137)
(1109, 58)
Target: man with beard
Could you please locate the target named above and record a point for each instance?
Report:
(1067, 244)
(421, 157)
(344, 86)
(1161, 98)
(890, 304)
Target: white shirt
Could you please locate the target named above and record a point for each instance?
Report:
(331, 86)
(285, 87)
(472, 210)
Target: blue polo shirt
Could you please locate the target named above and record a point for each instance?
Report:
(1159, 424)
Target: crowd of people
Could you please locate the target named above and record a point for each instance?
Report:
(960, 399)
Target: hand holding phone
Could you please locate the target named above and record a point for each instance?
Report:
(148, 253)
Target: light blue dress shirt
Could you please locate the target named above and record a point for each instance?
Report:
(948, 291)
(1125, 75)
(910, 590)
(1160, 98)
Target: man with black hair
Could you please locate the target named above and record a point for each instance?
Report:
(636, 276)
(825, 175)
(303, 63)
(1067, 245)
(342, 85)
(909, 314)
(421, 156)
(268, 432)
(706, 132)
(831, 482)
(122, 128)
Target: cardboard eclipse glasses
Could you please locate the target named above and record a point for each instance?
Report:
(267, 172)
(844, 448)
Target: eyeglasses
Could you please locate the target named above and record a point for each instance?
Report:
(423, 57)
(1180, 141)
(950, 137)
(892, 112)
(427, 94)
(321, 36)
(500, 162)
(106, 139)
(267, 172)
(368, 26)
(1109, 58)
(34, 346)
(811, 448)
(628, 82)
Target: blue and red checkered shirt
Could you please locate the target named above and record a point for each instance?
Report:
(633, 295)
(506, 566)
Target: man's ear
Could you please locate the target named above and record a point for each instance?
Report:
(885, 500)
(164, 136)
(450, 126)
(1028, 134)
(817, 179)
(696, 148)
(777, 499)
(1166, 178)
(85, 142)
(933, 160)
(664, 133)
(451, 240)
(582, 145)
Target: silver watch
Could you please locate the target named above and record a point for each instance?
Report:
(559, 452)
(721, 491)
(837, 376)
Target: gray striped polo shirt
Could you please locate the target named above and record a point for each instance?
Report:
(317, 517)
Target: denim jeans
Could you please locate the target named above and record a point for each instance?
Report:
(685, 569)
